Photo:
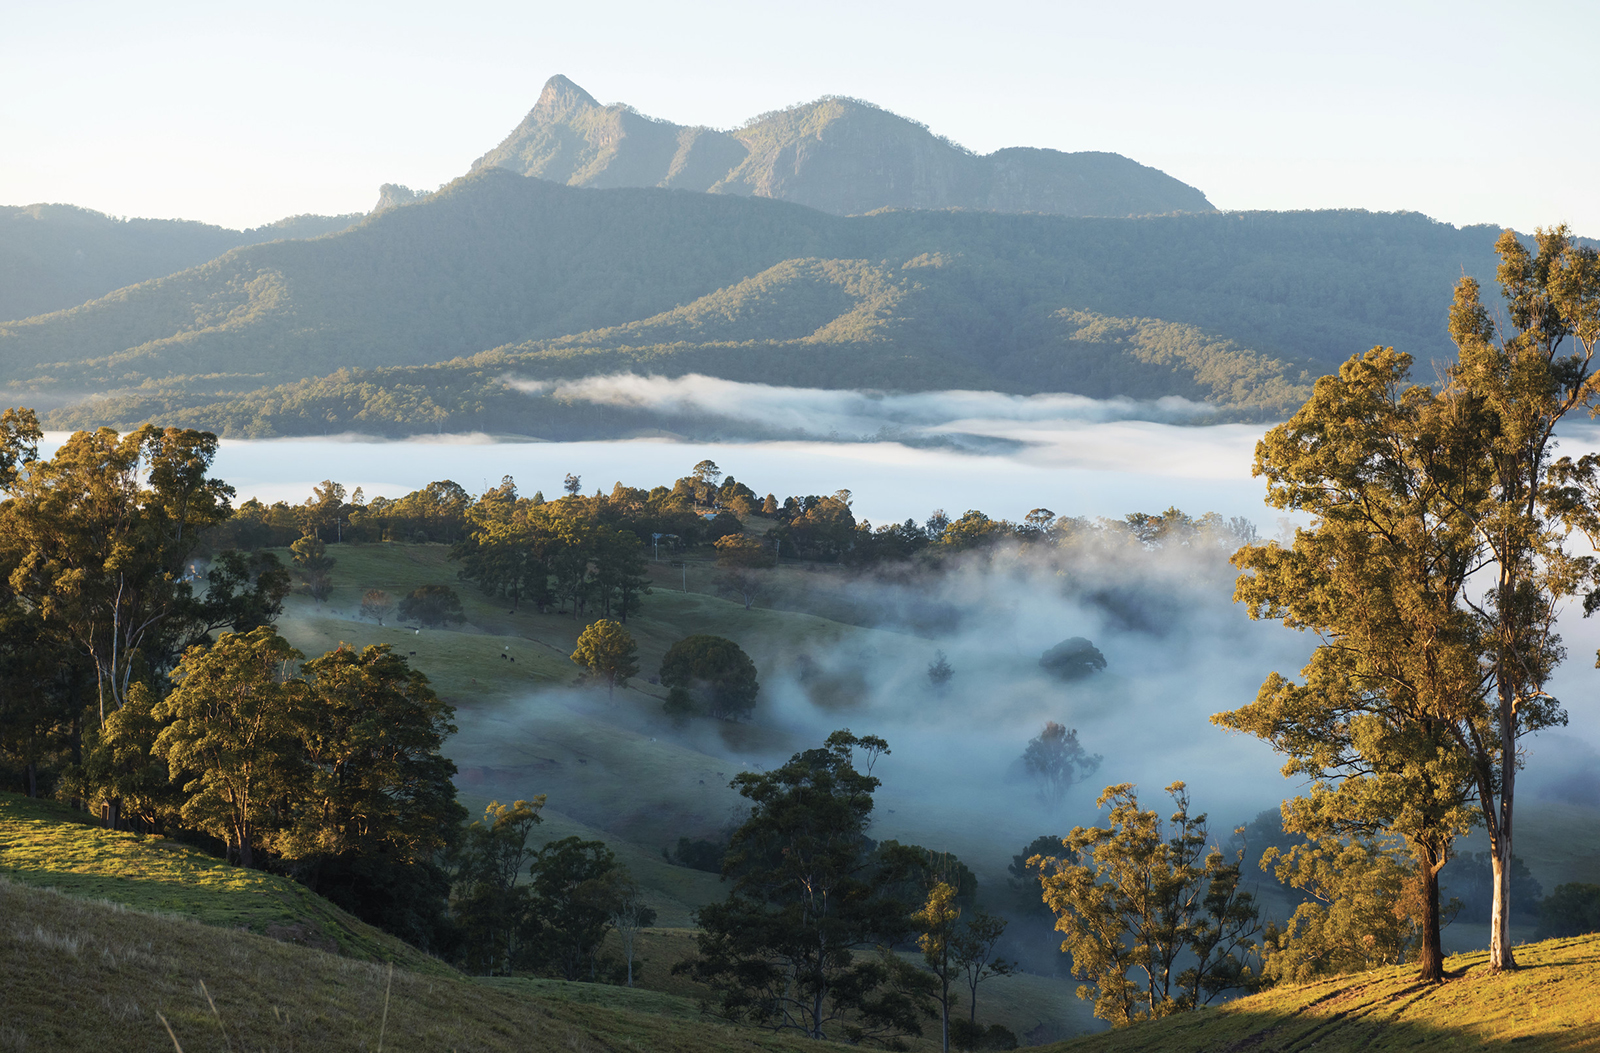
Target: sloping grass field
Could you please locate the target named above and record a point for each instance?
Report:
(1551, 1004)
(48, 845)
(86, 975)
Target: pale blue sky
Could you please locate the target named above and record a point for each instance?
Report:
(1470, 112)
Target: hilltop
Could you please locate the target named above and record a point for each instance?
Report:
(836, 154)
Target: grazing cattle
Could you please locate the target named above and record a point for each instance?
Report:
(503, 656)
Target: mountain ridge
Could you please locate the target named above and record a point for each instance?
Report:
(54, 257)
(836, 154)
(502, 272)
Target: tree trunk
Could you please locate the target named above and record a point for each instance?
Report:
(1501, 957)
(1430, 956)
(944, 1013)
(33, 779)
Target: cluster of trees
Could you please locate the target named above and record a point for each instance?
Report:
(98, 594)
(704, 674)
(805, 939)
(115, 691)
(557, 922)
(1433, 570)
(1147, 897)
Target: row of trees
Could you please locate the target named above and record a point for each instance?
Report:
(555, 553)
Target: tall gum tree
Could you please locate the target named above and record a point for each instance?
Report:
(96, 537)
(1520, 377)
(1386, 473)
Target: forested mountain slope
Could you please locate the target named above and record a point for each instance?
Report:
(1237, 309)
(839, 155)
(57, 256)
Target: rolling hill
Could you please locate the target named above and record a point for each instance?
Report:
(836, 154)
(57, 256)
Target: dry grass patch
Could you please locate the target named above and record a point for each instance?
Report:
(1550, 1005)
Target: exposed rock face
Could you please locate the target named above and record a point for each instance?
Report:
(837, 155)
(391, 195)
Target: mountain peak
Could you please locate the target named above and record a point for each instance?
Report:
(836, 154)
(561, 97)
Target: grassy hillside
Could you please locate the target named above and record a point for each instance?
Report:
(47, 845)
(499, 275)
(1550, 1005)
(91, 975)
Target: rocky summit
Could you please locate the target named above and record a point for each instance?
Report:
(836, 154)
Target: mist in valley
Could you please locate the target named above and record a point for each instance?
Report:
(856, 648)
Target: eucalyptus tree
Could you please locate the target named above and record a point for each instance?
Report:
(607, 651)
(1392, 475)
(234, 735)
(1139, 896)
(97, 538)
(1521, 377)
(784, 950)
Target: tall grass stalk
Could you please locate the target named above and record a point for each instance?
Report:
(384, 1026)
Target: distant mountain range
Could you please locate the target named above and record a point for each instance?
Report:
(838, 155)
(426, 314)
(58, 256)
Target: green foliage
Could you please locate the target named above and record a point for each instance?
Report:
(1027, 878)
(491, 908)
(1147, 898)
(715, 672)
(1073, 659)
(968, 1035)
(607, 651)
(1572, 909)
(1361, 915)
(231, 737)
(574, 903)
(95, 539)
(381, 808)
(698, 854)
(314, 565)
(782, 951)
(1391, 474)
(431, 606)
